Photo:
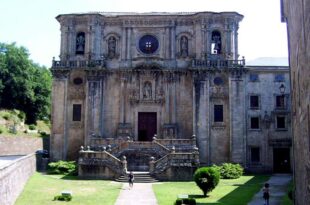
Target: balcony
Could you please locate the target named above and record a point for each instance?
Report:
(196, 63)
(78, 64)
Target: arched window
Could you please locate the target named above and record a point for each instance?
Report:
(80, 43)
(216, 42)
(183, 46)
(111, 47)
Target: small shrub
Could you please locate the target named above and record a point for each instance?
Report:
(1, 130)
(32, 127)
(189, 201)
(229, 170)
(21, 115)
(6, 116)
(207, 178)
(62, 198)
(62, 167)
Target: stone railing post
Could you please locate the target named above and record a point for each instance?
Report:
(152, 164)
(124, 164)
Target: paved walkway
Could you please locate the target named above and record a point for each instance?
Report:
(278, 187)
(140, 194)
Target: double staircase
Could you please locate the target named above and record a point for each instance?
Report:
(139, 177)
(164, 159)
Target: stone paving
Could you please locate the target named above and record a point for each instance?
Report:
(278, 188)
(140, 194)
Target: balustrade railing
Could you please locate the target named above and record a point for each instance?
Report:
(197, 63)
(77, 64)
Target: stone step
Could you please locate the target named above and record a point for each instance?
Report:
(140, 177)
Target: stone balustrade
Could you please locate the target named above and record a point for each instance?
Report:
(77, 64)
(197, 63)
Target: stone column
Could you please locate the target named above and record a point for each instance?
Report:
(237, 118)
(201, 115)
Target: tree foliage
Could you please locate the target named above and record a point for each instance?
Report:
(207, 178)
(24, 85)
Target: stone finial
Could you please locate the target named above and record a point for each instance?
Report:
(88, 148)
(194, 136)
(109, 148)
(128, 138)
(152, 159)
(82, 148)
(155, 137)
(173, 149)
(104, 148)
(124, 158)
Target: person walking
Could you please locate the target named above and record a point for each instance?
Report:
(131, 179)
(266, 194)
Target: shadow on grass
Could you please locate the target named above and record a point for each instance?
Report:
(240, 196)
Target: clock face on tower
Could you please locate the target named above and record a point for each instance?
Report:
(148, 44)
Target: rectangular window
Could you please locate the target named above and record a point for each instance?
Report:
(281, 122)
(254, 122)
(280, 101)
(77, 112)
(255, 154)
(253, 77)
(218, 113)
(279, 78)
(254, 102)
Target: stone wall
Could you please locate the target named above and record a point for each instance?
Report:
(13, 178)
(296, 13)
(19, 145)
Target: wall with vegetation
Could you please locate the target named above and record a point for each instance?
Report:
(15, 145)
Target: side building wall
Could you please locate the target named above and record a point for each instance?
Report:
(296, 13)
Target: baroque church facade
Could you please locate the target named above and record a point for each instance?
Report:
(164, 93)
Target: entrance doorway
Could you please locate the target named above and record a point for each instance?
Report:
(281, 160)
(147, 126)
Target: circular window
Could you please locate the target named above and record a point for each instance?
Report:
(77, 81)
(148, 44)
(218, 81)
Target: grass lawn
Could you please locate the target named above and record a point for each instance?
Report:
(41, 189)
(286, 200)
(229, 191)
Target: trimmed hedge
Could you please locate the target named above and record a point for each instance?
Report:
(189, 201)
(62, 198)
(229, 170)
(207, 178)
(62, 167)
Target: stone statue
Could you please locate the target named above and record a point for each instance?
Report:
(80, 43)
(147, 90)
(111, 47)
(184, 46)
(217, 43)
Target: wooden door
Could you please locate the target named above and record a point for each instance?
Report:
(147, 126)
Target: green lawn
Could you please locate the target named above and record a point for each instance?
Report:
(41, 189)
(229, 192)
(286, 200)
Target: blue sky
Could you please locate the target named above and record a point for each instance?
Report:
(32, 23)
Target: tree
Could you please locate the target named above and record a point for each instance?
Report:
(24, 85)
(207, 178)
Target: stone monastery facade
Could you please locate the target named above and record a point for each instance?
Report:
(164, 93)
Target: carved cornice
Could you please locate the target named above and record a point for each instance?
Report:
(60, 73)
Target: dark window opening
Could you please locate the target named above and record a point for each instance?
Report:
(216, 43)
(255, 154)
(77, 112)
(253, 77)
(254, 101)
(281, 122)
(280, 101)
(218, 113)
(77, 81)
(279, 78)
(254, 123)
(80, 43)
